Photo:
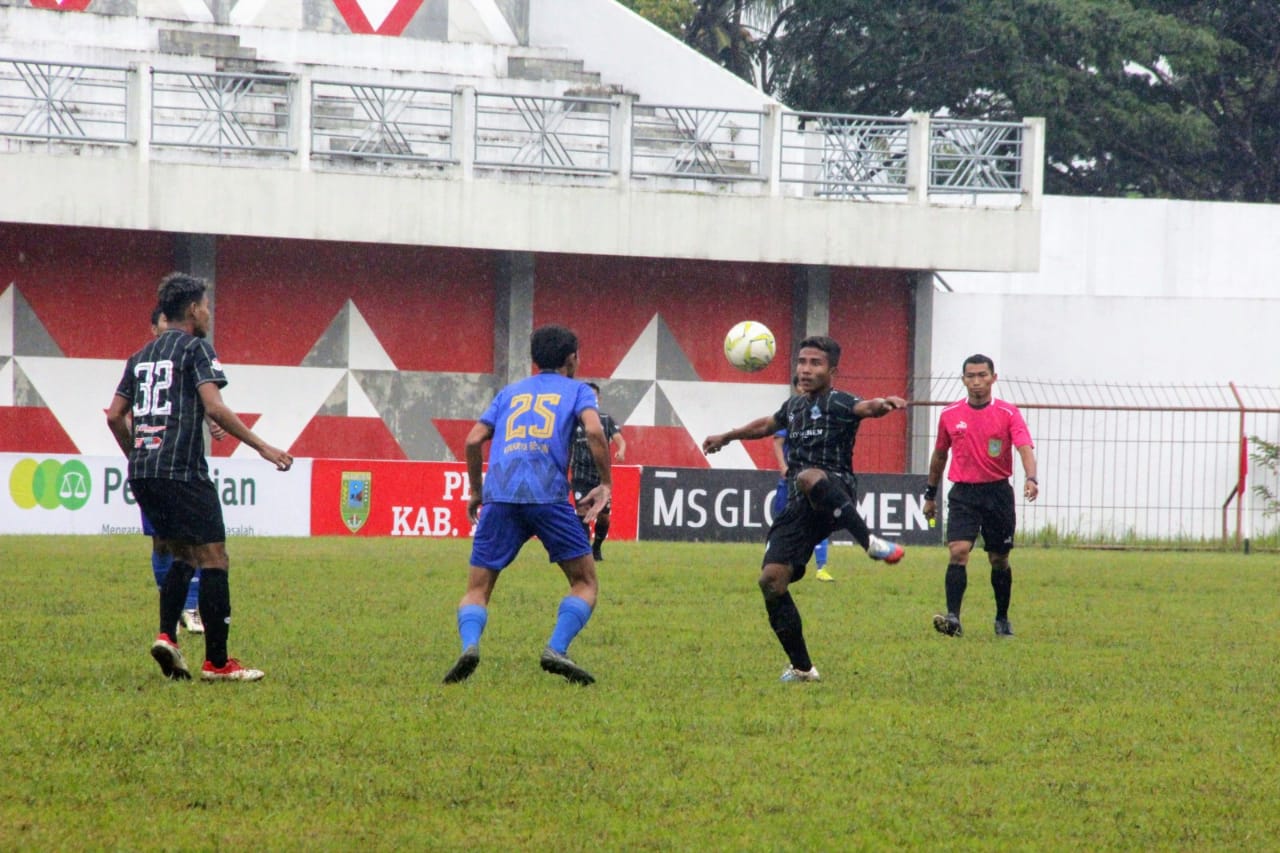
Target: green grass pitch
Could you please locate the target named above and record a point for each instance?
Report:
(1137, 709)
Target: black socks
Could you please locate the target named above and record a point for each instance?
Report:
(173, 595)
(1002, 584)
(784, 618)
(957, 580)
(215, 612)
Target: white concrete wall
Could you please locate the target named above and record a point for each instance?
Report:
(1128, 291)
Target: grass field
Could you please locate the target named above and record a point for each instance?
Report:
(1137, 709)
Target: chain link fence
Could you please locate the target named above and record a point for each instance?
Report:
(1135, 465)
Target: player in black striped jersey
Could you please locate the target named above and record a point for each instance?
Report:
(821, 425)
(157, 418)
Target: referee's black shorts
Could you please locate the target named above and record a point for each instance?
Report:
(181, 510)
(794, 534)
(982, 508)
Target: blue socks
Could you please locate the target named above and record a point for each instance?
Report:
(820, 552)
(571, 618)
(471, 622)
(160, 564)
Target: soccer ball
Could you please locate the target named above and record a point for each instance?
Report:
(749, 346)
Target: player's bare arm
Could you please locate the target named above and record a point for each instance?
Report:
(598, 498)
(221, 414)
(1031, 485)
(759, 428)
(878, 407)
(120, 420)
(474, 451)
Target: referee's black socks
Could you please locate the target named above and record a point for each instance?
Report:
(957, 580)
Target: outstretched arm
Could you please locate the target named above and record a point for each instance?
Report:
(878, 407)
(759, 428)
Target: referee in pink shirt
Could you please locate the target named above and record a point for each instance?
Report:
(981, 433)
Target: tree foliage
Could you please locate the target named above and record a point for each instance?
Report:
(1156, 98)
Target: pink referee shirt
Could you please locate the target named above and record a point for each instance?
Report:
(982, 440)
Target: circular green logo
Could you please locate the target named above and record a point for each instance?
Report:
(50, 484)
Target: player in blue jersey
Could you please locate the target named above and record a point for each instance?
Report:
(526, 493)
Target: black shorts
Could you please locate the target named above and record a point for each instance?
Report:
(982, 508)
(794, 534)
(181, 510)
(581, 489)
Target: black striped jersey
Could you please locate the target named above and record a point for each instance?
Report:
(582, 465)
(162, 381)
(820, 431)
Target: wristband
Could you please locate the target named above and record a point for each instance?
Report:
(1032, 480)
(930, 492)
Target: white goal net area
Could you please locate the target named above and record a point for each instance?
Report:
(1134, 465)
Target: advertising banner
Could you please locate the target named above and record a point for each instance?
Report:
(351, 497)
(51, 493)
(709, 505)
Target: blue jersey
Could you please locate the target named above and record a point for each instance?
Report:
(533, 422)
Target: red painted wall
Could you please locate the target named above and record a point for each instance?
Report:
(432, 309)
(93, 289)
(871, 318)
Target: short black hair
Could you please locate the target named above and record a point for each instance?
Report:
(551, 346)
(978, 358)
(156, 314)
(593, 386)
(178, 290)
(827, 345)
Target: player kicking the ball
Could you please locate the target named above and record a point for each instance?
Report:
(821, 425)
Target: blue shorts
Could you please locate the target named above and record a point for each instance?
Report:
(503, 529)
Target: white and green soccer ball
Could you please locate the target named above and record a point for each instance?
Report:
(749, 346)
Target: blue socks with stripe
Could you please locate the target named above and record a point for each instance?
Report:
(570, 619)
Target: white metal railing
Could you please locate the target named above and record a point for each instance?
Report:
(845, 156)
(55, 101)
(697, 142)
(357, 121)
(345, 124)
(225, 112)
(975, 156)
(542, 133)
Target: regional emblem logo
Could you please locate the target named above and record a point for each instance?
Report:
(994, 446)
(356, 497)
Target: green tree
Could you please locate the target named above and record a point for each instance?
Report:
(672, 15)
(1156, 98)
